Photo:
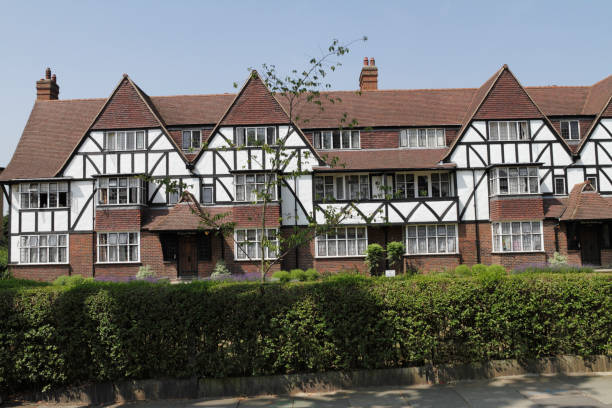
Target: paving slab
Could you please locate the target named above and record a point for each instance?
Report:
(433, 396)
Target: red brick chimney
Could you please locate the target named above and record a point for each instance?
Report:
(368, 80)
(47, 88)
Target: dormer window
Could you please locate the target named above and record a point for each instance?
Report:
(509, 130)
(124, 140)
(255, 136)
(337, 139)
(424, 138)
(570, 130)
(192, 139)
(121, 191)
(514, 180)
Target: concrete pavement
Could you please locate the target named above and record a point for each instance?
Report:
(593, 391)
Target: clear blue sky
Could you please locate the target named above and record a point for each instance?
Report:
(190, 47)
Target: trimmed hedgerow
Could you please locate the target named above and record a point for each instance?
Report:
(53, 336)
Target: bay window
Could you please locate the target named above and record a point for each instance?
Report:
(115, 247)
(425, 138)
(342, 242)
(252, 187)
(428, 239)
(43, 195)
(247, 244)
(255, 136)
(337, 139)
(517, 236)
(514, 180)
(124, 140)
(509, 130)
(43, 249)
(410, 185)
(121, 191)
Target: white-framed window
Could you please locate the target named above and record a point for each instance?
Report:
(255, 136)
(252, 187)
(429, 239)
(424, 138)
(409, 185)
(43, 249)
(593, 181)
(118, 247)
(560, 185)
(121, 191)
(349, 187)
(44, 195)
(517, 236)
(514, 180)
(509, 130)
(247, 244)
(342, 242)
(570, 129)
(337, 139)
(207, 194)
(124, 140)
(192, 139)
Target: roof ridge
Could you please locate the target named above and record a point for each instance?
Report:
(71, 100)
(179, 95)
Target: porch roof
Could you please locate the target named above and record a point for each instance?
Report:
(585, 203)
(183, 216)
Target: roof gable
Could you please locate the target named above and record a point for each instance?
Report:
(584, 203)
(507, 100)
(255, 105)
(126, 108)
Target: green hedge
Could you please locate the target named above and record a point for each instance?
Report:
(53, 336)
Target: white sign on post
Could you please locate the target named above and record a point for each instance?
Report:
(389, 273)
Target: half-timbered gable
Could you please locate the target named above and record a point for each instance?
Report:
(496, 174)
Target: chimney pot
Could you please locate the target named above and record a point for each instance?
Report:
(365, 61)
(372, 62)
(53, 78)
(48, 73)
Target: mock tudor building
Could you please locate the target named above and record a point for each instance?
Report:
(498, 174)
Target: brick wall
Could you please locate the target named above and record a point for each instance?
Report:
(118, 219)
(249, 216)
(514, 208)
(45, 273)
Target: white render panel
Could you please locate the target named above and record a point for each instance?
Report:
(14, 249)
(139, 163)
(540, 152)
(80, 191)
(423, 214)
(464, 190)
(288, 206)
(523, 152)
(163, 143)
(544, 134)
(98, 136)
(61, 221)
(160, 170)
(546, 182)
(98, 160)
(228, 156)
(604, 182)
(88, 146)
(559, 172)
(372, 210)
(510, 153)
(496, 156)
(459, 156)
(476, 160)
(481, 126)
(560, 156)
(204, 164)
(481, 199)
(153, 133)
(294, 139)
(44, 221)
(228, 181)
(304, 193)
(160, 195)
(74, 168)
(193, 186)
(257, 159)
(605, 152)
(111, 164)
(574, 176)
(14, 208)
(451, 215)
(471, 135)
(176, 165)
(309, 160)
(587, 155)
(242, 162)
(599, 133)
(28, 220)
(126, 163)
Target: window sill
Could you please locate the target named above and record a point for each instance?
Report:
(430, 254)
(517, 252)
(118, 263)
(248, 260)
(40, 264)
(340, 257)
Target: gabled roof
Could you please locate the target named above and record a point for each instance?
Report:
(503, 97)
(584, 203)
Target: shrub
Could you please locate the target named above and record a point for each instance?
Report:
(478, 269)
(557, 260)
(463, 270)
(373, 259)
(282, 276)
(4, 271)
(71, 280)
(145, 272)
(395, 255)
(298, 274)
(312, 274)
(220, 271)
(544, 268)
(55, 336)
(491, 274)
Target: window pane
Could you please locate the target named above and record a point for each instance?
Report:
(565, 130)
(271, 136)
(355, 143)
(574, 130)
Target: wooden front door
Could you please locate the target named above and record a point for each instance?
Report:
(589, 243)
(188, 255)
